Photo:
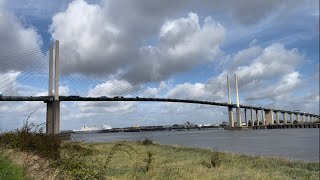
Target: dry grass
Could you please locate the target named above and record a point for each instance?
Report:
(131, 160)
(48, 157)
(35, 167)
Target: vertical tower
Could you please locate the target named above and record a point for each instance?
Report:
(49, 116)
(53, 105)
(238, 104)
(56, 115)
(230, 109)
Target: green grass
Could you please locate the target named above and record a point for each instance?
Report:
(147, 160)
(9, 171)
(133, 160)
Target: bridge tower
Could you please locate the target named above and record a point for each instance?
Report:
(53, 105)
(230, 109)
(238, 110)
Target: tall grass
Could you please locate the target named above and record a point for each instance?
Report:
(147, 160)
(30, 138)
(10, 171)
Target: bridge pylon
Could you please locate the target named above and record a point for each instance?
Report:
(53, 105)
(238, 110)
(230, 109)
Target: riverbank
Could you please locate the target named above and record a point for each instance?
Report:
(142, 160)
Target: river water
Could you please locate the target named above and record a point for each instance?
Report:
(293, 144)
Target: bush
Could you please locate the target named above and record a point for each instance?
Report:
(147, 142)
(30, 138)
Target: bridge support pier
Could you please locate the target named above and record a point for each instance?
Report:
(284, 118)
(230, 112)
(297, 117)
(291, 118)
(269, 117)
(53, 117)
(245, 117)
(53, 106)
(49, 118)
(238, 110)
(257, 117)
(239, 122)
(262, 116)
(303, 118)
(277, 118)
(251, 116)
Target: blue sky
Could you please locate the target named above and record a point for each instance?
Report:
(161, 48)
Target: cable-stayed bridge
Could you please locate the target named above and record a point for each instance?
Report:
(29, 76)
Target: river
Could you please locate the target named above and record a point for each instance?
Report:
(293, 144)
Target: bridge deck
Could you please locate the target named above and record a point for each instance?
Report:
(78, 98)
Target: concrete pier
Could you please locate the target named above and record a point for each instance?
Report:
(230, 112)
(297, 117)
(49, 115)
(277, 118)
(257, 117)
(291, 118)
(251, 116)
(269, 117)
(230, 109)
(263, 118)
(245, 117)
(238, 110)
(303, 118)
(284, 118)
(53, 106)
(239, 122)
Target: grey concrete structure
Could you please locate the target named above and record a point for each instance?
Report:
(257, 117)
(230, 113)
(49, 115)
(238, 110)
(56, 112)
(269, 117)
(245, 117)
(53, 105)
(284, 118)
(230, 109)
(291, 118)
(303, 118)
(251, 117)
(277, 117)
(297, 118)
(262, 117)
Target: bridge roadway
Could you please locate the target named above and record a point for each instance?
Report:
(78, 98)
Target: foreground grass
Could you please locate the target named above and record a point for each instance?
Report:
(134, 160)
(10, 171)
(144, 160)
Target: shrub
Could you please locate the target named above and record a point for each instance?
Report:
(147, 142)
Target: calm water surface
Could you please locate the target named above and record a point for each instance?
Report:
(294, 144)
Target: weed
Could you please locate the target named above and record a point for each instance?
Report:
(149, 160)
(147, 142)
(215, 159)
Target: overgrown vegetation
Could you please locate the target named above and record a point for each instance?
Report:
(9, 171)
(148, 160)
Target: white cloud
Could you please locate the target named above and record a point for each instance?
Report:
(113, 88)
(183, 44)
(15, 37)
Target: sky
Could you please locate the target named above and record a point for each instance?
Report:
(160, 48)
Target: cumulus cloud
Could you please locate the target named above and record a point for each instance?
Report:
(86, 29)
(15, 37)
(113, 88)
(104, 47)
(183, 44)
